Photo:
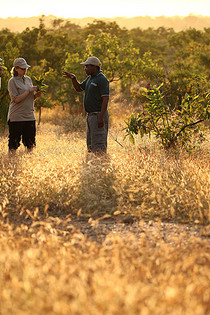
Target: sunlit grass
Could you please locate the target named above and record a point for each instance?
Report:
(52, 268)
(142, 180)
(49, 265)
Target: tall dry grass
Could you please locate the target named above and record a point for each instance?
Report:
(52, 268)
(142, 180)
(49, 266)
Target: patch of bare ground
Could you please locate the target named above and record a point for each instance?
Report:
(152, 231)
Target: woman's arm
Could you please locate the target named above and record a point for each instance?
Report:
(21, 97)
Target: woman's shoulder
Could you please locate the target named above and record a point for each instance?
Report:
(11, 81)
(27, 77)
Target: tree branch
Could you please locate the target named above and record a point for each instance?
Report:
(190, 125)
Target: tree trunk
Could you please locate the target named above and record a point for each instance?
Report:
(40, 113)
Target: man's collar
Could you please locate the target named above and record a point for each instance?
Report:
(97, 73)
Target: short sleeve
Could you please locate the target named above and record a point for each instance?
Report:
(103, 85)
(83, 84)
(30, 81)
(13, 91)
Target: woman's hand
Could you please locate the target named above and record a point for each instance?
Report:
(21, 97)
(38, 94)
(33, 89)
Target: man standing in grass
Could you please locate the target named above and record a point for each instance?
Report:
(96, 87)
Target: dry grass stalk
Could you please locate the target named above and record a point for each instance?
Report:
(48, 266)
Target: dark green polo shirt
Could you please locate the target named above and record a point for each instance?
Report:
(95, 87)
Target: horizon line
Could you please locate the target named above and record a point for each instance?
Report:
(106, 17)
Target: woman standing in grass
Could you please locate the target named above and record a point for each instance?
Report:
(21, 118)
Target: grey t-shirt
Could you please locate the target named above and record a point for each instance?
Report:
(23, 111)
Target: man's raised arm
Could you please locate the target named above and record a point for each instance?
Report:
(74, 80)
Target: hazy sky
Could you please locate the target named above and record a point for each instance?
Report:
(104, 8)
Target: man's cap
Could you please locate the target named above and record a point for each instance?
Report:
(21, 63)
(92, 61)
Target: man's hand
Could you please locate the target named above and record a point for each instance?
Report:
(74, 80)
(105, 100)
(69, 75)
(100, 121)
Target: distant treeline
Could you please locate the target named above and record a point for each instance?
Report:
(178, 62)
(178, 23)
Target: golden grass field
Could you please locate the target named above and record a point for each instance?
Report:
(66, 245)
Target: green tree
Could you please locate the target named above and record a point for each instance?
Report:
(39, 80)
(8, 55)
(68, 96)
(171, 126)
(119, 59)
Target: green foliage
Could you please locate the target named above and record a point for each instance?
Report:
(41, 86)
(172, 126)
(2, 64)
(133, 58)
(8, 55)
(4, 98)
(68, 97)
(43, 101)
(119, 59)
